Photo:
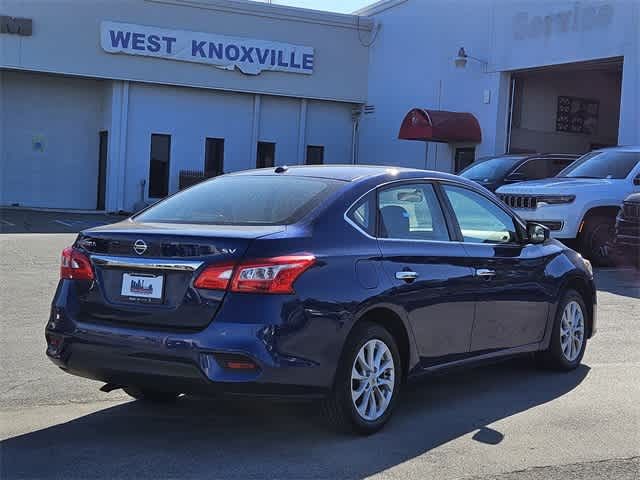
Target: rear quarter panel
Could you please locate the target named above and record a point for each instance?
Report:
(345, 283)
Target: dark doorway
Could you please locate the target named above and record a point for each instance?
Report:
(214, 157)
(159, 165)
(102, 169)
(464, 157)
(315, 155)
(565, 108)
(266, 157)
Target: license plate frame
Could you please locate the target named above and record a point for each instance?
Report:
(142, 287)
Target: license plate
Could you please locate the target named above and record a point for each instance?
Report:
(142, 286)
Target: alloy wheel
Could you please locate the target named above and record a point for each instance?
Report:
(572, 331)
(372, 379)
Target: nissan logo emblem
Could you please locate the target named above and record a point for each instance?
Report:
(140, 246)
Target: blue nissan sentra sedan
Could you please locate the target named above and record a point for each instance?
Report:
(338, 283)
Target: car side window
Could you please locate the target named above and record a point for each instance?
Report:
(363, 214)
(411, 212)
(557, 165)
(534, 169)
(540, 168)
(480, 220)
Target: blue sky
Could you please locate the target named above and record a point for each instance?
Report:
(342, 6)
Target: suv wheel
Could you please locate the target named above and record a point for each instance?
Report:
(151, 396)
(595, 240)
(367, 381)
(569, 334)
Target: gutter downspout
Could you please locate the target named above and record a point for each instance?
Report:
(355, 134)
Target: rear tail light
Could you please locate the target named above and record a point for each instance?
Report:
(215, 277)
(270, 275)
(273, 275)
(75, 265)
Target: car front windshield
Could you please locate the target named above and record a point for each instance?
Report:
(602, 164)
(243, 200)
(490, 170)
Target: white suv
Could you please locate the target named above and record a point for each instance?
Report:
(582, 201)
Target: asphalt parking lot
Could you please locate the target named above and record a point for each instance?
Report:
(16, 220)
(507, 421)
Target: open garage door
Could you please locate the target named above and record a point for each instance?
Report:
(569, 108)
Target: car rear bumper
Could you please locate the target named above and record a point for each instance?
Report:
(186, 362)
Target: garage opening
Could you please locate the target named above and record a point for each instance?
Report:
(569, 108)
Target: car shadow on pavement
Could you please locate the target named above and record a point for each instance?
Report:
(205, 438)
(622, 281)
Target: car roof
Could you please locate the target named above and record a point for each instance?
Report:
(621, 148)
(529, 156)
(348, 173)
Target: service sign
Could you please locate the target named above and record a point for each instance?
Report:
(247, 55)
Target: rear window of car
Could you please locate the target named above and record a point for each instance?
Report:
(490, 169)
(243, 200)
(603, 164)
(539, 168)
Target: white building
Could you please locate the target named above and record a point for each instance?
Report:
(70, 107)
(103, 104)
(531, 55)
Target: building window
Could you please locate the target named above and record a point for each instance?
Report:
(463, 158)
(159, 165)
(315, 155)
(266, 157)
(102, 169)
(213, 157)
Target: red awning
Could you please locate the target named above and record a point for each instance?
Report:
(440, 126)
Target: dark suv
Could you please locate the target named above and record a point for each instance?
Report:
(493, 172)
(627, 239)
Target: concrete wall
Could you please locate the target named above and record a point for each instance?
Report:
(191, 115)
(280, 124)
(66, 39)
(412, 65)
(142, 95)
(329, 124)
(66, 115)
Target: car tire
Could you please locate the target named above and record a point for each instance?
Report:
(595, 240)
(151, 396)
(342, 409)
(565, 352)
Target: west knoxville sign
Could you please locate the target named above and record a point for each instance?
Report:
(249, 56)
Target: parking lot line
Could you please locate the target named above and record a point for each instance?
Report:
(64, 223)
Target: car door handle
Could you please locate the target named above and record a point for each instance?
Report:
(406, 275)
(485, 273)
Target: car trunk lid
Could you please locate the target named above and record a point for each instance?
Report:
(145, 273)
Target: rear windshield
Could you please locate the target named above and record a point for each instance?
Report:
(602, 164)
(243, 200)
(490, 170)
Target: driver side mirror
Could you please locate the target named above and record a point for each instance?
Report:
(537, 233)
